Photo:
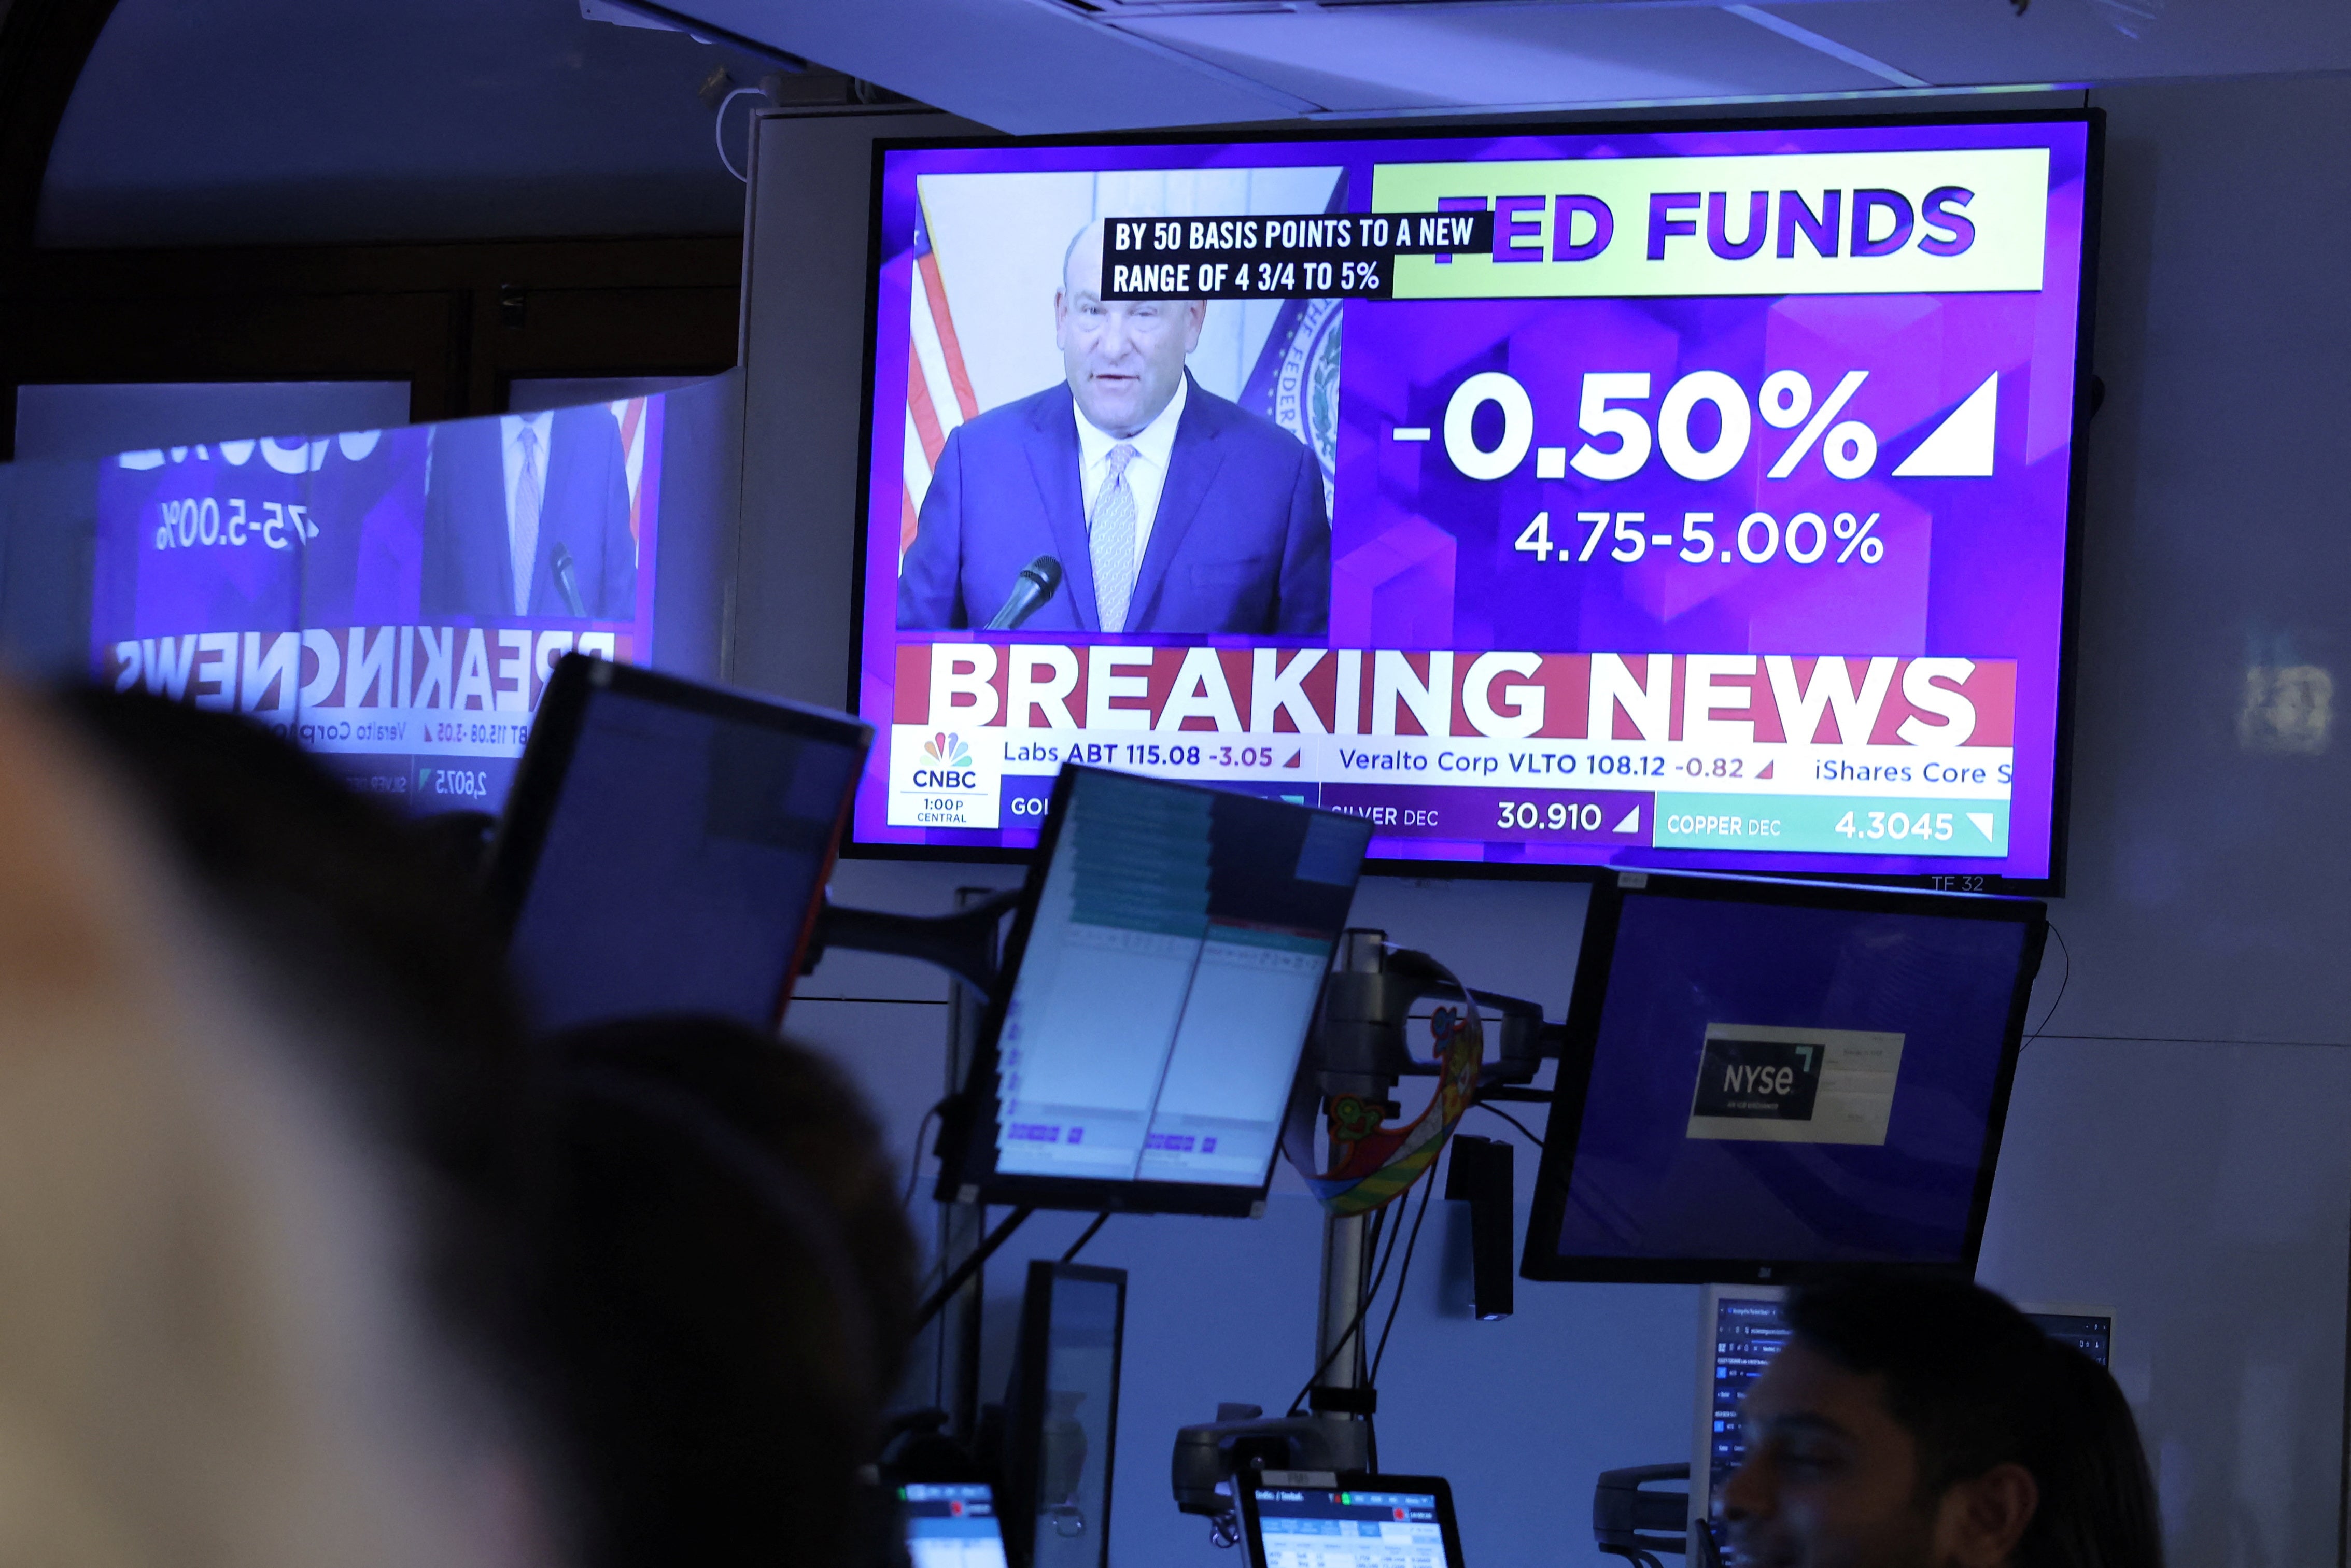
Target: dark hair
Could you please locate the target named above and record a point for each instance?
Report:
(346, 913)
(1977, 1384)
(725, 1292)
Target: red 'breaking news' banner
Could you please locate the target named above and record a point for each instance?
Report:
(1767, 698)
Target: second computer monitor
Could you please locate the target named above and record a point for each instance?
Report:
(1161, 977)
(1763, 1079)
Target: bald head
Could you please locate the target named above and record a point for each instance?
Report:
(1124, 358)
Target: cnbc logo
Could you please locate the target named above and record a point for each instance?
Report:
(955, 770)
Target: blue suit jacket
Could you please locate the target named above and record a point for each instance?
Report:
(1240, 542)
(468, 564)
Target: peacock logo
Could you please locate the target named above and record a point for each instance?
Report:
(950, 766)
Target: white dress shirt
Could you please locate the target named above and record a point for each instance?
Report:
(1146, 471)
(510, 428)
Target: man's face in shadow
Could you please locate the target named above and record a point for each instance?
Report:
(1126, 357)
(1830, 1480)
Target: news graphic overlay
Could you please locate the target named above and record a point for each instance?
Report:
(394, 600)
(1692, 496)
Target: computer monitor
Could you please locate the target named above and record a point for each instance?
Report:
(666, 846)
(2090, 1329)
(1061, 1416)
(1307, 1519)
(1764, 1078)
(951, 1525)
(1161, 973)
(1740, 1328)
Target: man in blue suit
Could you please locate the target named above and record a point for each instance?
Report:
(529, 515)
(1170, 509)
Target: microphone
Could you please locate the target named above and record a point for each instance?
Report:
(1037, 582)
(567, 581)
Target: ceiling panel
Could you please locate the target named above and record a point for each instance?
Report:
(1983, 41)
(1045, 66)
(1022, 66)
(1394, 58)
(294, 122)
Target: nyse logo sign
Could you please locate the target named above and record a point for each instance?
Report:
(1768, 1078)
(1769, 1085)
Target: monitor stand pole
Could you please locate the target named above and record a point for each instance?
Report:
(962, 1226)
(1340, 1396)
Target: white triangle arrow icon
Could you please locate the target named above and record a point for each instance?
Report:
(1983, 819)
(1631, 824)
(1961, 447)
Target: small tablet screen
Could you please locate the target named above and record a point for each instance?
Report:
(952, 1526)
(1361, 1521)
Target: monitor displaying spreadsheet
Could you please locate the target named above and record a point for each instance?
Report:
(1349, 1522)
(1159, 981)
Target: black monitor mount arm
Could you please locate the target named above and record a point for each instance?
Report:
(1361, 1045)
(963, 944)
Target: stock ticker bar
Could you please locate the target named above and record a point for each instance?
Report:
(1318, 255)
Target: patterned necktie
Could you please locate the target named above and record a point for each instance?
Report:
(1112, 541)
(529, 492)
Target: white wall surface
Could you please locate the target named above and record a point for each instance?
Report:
(2175, 1146)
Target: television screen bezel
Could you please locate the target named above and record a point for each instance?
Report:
(1563, 1128)
(1682, 862)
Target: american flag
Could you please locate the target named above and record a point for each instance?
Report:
(938, 388)
(631, 414)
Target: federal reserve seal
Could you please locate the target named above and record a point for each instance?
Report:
(1306, 386)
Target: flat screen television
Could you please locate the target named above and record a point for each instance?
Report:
(1701, 496)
